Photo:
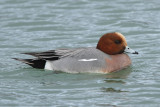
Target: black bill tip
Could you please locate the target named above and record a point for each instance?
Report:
(135, 52)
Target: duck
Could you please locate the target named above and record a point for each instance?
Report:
(108, 56)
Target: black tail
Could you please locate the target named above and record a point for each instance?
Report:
(35, 63)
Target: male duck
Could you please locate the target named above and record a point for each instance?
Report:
(107, 57)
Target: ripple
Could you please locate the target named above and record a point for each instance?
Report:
(43, 25)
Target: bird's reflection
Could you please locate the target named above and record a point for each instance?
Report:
(122, 74)
(112, 90)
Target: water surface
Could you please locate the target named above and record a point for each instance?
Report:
(28, 25)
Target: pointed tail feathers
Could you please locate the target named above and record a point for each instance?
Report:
(35, 63)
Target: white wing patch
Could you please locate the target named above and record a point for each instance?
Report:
(94, 59)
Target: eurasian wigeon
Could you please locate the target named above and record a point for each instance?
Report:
(109, 56)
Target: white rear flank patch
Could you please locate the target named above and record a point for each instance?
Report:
(48, 65)
(88, 59)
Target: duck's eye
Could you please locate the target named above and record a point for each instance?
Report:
(117, 41)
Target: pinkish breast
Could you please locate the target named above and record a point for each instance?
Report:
(117, 62)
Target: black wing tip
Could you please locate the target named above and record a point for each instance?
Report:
(47, 55)
(30, 53)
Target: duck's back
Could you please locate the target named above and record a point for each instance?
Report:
(79, 60)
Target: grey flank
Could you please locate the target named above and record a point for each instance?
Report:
(72, 60)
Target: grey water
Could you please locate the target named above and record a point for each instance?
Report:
(41, 25)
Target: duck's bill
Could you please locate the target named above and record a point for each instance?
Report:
(129, 50)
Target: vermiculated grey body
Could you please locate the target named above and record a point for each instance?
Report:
(81, 60)
(72, 60)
